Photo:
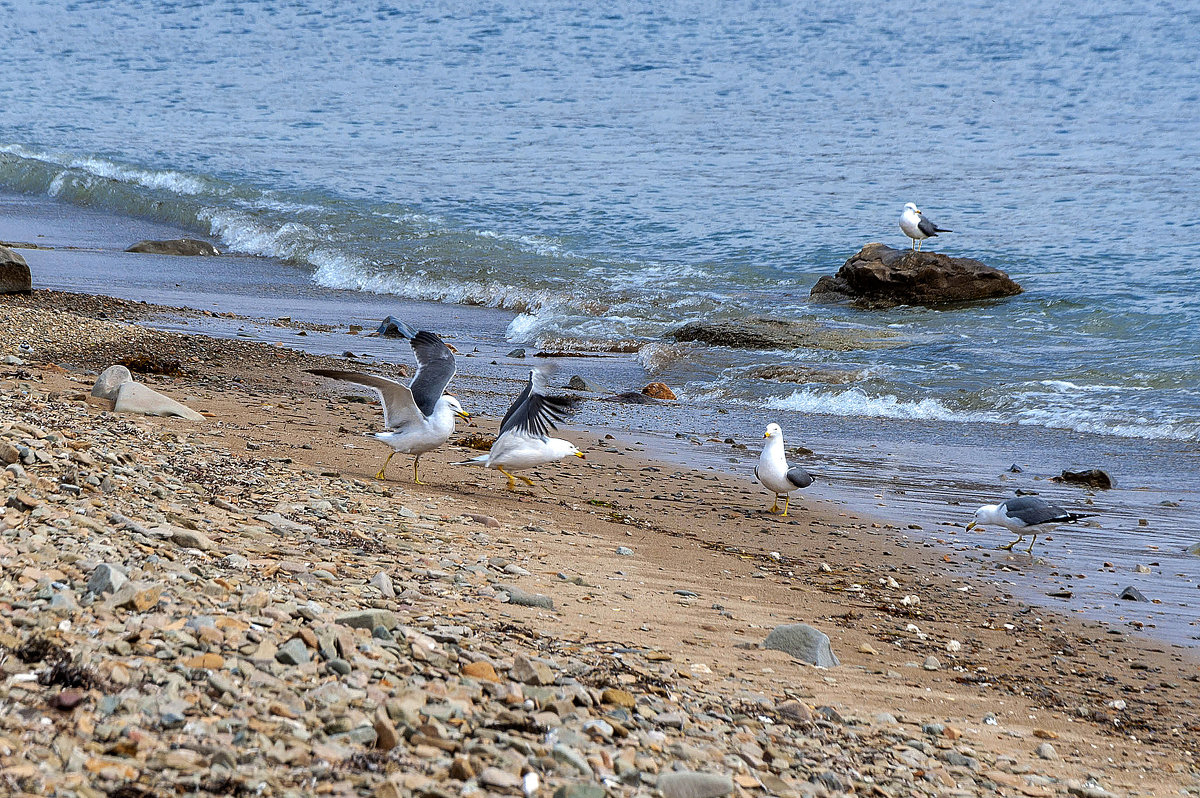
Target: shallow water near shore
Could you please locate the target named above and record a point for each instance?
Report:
(931, 474)
(605, 177)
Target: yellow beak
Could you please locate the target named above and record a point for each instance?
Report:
(767, 435)
(580, 455)
(972, 525)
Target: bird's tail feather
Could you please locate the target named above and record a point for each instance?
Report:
(1073, 517)
(480, 460)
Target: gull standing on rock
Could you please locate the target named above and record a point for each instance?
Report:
(773, 471)
(420, 417)
(917, 227)
(1025, 515)
(523, 441)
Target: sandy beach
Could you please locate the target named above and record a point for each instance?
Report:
(602, 630)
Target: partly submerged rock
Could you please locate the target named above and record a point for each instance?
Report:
(631, 398)
(14, 273)
(803, 642)
(1090, 477)
(879, 276)
(110, 381)
(804, 375)
(175, 246)
(134, 397)
(759, 332)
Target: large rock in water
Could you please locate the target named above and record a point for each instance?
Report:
(879, 276)
(765, 333)
(176, 246)
(14, 273)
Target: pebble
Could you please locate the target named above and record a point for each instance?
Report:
(1046, 751)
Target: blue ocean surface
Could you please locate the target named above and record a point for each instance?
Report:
(607, 175)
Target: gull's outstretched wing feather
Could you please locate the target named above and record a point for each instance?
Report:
(399, 409)
(435, 368)
(534, 413)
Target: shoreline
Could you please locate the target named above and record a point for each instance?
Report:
(701, 588)
(923, 476)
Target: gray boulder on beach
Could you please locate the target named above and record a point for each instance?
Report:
(878, 276)
(133, 397)
(803, 642)
(14, 273)
(175, 246)
(110, 381)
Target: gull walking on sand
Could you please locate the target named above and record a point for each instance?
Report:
(917, 227)
(1025, 515)
(775, 474)
(417, 418)
(523, 440)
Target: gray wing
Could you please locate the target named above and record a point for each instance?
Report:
(1031, 511)
(534, 413)
(798, 477)
(435, 368)
(398, 406)
(929, 228)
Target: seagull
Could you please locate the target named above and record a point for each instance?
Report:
(773, 471)
(1025, 515)
(420, 417)
(917, 227)
(523, 441)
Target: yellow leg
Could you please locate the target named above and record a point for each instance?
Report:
(787, 499)
(1030, 550)
(524, 479)
(385, 465)
(512, 483)
(775, 504)
(416, 479)
(1009, 547)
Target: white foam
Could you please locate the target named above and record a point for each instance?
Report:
(856, 402)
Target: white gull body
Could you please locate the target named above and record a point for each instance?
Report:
(773, 470)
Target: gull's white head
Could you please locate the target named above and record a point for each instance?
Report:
(773, 431)
(560, 448)
(912, 206)
(452, 403)
(985, 515)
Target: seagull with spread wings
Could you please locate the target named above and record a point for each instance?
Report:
(419, 417)
(523, 440)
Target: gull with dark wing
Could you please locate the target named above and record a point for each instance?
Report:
(419, 417)
(917, 227)
(774, 472)
(523, 440)
(1025, 515)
